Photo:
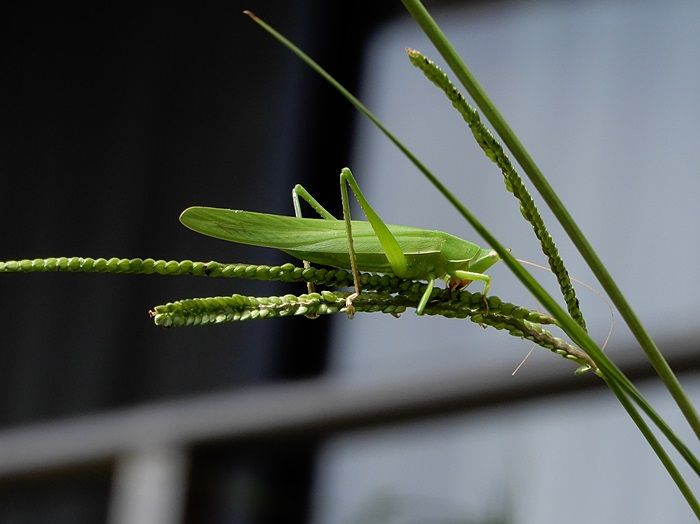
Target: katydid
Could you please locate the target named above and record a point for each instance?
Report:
(407, 252)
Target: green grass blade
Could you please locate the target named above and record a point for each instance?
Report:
(659, 450)
(356, 104)
(442, 44)
(577, 334)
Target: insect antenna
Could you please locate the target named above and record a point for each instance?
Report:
(590, 288)
(532, 348)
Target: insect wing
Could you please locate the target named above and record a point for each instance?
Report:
(260, 229)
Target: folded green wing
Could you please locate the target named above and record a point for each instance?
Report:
(302, 234)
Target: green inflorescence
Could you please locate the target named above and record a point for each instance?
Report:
(512, 180)
(148, 266)
(381, 293)
(517, 321)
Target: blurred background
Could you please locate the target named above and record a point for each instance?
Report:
(114, 120)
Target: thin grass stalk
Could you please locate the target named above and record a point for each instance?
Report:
(442, 44)
(578, 335)
(659, 450)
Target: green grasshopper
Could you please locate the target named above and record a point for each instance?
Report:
(407, 252)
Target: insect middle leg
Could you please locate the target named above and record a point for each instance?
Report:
(298, 191)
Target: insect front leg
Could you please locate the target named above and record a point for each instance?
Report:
(460, 279)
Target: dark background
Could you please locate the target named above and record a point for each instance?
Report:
(112, 122)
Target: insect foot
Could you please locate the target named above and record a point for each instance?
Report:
(485, 302)
(350, 309)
